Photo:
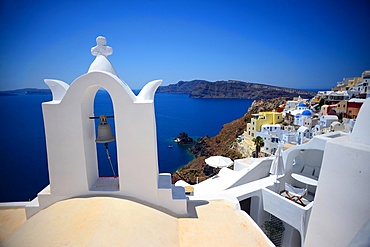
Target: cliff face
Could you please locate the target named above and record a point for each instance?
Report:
(182, 87)
(221, 144)
(232, 89)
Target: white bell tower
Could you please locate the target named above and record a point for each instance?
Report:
(71, 147)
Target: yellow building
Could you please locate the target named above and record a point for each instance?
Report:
(341, 107)
(353, 82)
(347, 83)
(261, 118)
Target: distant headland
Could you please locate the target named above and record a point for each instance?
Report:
(232, 90)
(25, 91)
(208, 90)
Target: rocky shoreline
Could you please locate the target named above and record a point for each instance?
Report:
(221, 144)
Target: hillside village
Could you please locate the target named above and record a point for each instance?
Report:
(306, 147)
(292, 122)
(296, 121)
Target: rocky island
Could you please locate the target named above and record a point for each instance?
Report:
(184, 139)
(232, 90)
(221, 144)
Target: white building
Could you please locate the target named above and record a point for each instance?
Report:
(348, 124)
(289, 137)
(288, 134)
(299, 111)
(270, 143)
(310, 122)
(337, 126)
(302, 134)
(300, 118)
(362, 88)
(270, 134)
(273, 129)
(337, 96)
(291, 105)
(327, 120)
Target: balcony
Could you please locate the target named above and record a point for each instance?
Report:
(288, 211)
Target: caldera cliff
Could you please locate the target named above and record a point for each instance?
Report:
(221, 144)
(232, 89)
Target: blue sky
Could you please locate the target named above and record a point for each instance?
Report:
(299, 44)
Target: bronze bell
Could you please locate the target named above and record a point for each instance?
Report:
(105, 134)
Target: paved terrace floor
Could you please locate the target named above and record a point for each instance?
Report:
(105, 221)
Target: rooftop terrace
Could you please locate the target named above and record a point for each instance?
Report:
(105, 221)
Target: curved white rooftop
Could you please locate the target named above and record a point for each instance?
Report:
(106, 221)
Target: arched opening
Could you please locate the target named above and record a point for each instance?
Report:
(107, 164)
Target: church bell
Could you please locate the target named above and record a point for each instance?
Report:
(105, 134)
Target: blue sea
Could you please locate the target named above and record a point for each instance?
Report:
(23, 163)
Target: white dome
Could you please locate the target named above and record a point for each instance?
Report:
(101, 63)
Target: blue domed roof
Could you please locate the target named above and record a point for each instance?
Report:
(306, 113)
(302, 105)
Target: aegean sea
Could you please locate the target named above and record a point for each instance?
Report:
(24, 169)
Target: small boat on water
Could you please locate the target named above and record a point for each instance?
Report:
(170, 146)
(177, 139)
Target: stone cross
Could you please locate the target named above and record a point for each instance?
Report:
(101, 48)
